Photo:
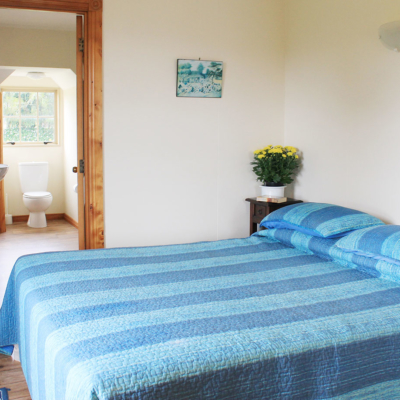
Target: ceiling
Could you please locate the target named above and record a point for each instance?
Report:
(63, 77)
(28, 19)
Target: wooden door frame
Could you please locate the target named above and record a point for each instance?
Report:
(2, 201)
(92, 10)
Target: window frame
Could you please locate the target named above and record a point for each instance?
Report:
(56, 115)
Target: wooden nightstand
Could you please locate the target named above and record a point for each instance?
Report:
(260, 209)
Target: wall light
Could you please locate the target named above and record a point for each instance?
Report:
(389, 34)
(36, 75)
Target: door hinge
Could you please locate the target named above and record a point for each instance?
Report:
(81, 44)
(82, 166)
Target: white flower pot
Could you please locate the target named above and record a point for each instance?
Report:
(273, 191)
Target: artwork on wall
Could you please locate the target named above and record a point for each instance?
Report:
(198, 78)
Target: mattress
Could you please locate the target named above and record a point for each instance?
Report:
(252, 318)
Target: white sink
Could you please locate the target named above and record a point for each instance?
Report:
(3, 171)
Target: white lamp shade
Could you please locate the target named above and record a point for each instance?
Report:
(389, 34)
(36, 75)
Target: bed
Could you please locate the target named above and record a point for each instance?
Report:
(278, 315)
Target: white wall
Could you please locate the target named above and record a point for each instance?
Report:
(343, 102)
(37, 48)
(177, 169)
(70, 153)
(54, 155)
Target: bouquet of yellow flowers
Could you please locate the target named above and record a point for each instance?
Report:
(276, 165)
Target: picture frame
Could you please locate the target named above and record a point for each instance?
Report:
(199, 78)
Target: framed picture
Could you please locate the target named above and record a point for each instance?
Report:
(199, 78)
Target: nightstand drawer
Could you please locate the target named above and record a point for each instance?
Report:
(260, 212)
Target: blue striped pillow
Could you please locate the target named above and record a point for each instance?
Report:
(379, 242)
(319, 219)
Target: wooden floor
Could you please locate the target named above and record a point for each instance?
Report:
(12, 377)
(17, 241)
(20, 240)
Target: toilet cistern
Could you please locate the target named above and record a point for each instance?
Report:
(34, 177)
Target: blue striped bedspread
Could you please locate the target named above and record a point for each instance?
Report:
(235, 319)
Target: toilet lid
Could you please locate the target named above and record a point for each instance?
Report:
(36, 195)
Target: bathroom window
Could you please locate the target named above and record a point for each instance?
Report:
(29, 117)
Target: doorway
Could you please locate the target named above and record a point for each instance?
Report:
(38, 110)
(90, 160)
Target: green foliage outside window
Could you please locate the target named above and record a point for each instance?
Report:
(29, 116)
(11, 130)
(46, 129)
(10, 104)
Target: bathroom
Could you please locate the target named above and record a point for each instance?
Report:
(39, 125)
(51, 140)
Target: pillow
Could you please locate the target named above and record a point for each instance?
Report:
(306, 243)
(319, 219)
(379, 242)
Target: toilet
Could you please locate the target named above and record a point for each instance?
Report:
(34, 177)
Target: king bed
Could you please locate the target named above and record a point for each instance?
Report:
(288, 313)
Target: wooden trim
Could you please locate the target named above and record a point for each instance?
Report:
(71, 221)
(2, 198)
(48, 5)
(49, 217)
(95, 5)
(93, 137)
(93, 108)
(80, 130)
(20, 218)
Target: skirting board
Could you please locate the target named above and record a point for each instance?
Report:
(24, 218)
(49, 217)
(71, 221)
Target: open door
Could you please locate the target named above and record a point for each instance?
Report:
(80, 169)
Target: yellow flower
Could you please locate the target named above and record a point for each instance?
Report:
(257, 152)
(296, 156)
(268, 147)
(291, 149)
(284, 155)
(261, 156)
(289, 153)
(275, 151)
(263, 152)
(278, 147)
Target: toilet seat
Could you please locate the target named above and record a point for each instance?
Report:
(37, 195)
